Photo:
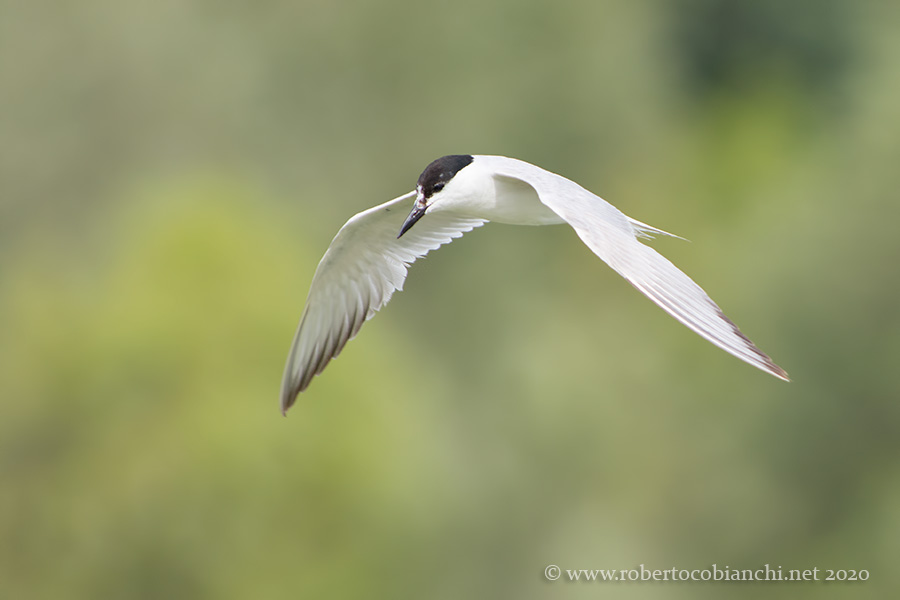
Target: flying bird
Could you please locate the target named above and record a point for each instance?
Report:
(368, 259)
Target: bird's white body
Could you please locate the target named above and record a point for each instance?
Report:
(367, 261)
(481, 192)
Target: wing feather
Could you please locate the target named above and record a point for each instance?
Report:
(362, 268)
(613, 237)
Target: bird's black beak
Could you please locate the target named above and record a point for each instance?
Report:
(415, 214)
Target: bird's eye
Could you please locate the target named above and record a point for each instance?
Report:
(438, 187)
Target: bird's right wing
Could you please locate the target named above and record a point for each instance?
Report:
(613, 237)
(361, 269)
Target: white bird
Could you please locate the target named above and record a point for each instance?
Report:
(367, 260)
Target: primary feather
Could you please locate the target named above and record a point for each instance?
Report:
(364, 265)
(614, 238)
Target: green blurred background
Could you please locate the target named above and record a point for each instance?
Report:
(171, 172)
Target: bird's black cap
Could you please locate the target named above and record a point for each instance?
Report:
(437, 174)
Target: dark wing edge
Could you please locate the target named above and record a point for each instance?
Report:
(613, 237)
(362, 268)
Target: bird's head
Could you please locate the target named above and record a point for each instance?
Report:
(433, 185)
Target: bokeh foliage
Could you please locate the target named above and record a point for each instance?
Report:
(170, 174)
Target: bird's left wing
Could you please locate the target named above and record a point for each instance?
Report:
(361, 269)
(613, 237)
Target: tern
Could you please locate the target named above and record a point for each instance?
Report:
(369, 257)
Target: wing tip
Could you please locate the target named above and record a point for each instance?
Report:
(289, 392)
(777, 371)
(765, 362)
(288, 397)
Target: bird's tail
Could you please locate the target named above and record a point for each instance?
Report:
(648, 231)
